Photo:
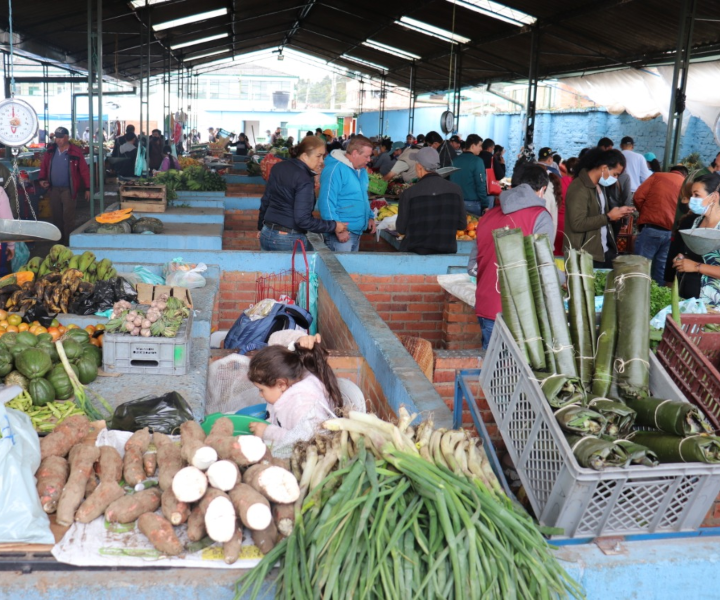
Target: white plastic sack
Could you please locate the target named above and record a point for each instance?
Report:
(388, 223)
(691, 306)
(188, 279)
(228, 386)
(22, 519)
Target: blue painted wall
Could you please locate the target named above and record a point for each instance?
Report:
(567, 132)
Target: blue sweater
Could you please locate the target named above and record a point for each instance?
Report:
(343, 193)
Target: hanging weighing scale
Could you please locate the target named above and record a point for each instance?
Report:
(18, 126)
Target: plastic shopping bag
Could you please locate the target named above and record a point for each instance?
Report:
(22, 519)
(147, 276)
(184, 274)
(22, 255)
(160, 413)
(141, 165)
(691, 306)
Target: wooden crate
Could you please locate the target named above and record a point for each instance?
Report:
(143, 198)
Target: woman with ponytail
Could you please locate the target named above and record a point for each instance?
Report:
(301, 391)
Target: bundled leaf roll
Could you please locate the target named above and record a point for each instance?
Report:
(632, 294)
(582, 313)
(637, 454)
(671, 448)
(540, 307)
(578, 419)
(561, 390)
(607, 338)
(620, 417)
(515, 280)
(670, 416)
(594, 453)
(560, 343)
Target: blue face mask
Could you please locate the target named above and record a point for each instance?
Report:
(696, 206)
(608, 181)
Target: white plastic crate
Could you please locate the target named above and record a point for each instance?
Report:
(125, 353)
(584, 502)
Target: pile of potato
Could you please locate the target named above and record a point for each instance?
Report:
(216, 484)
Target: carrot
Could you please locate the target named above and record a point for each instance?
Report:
(174, 511)
(105, 494)
(231, 548)
(251, 506)
(51, 478)
(70, 432)
(82, 458)
(133, 471)
(110, 466)
(131, 506)
(160, 533)
(169, 460)
(266, 539)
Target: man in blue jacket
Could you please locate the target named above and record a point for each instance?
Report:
(343, 194)
(471, 176)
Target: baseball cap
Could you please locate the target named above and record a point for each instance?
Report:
(545, 153)
(650, 156)
(429, 158)
(397, 146)
(455, 138)
(329, 132)
(61, 131)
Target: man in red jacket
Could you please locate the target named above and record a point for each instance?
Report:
(64, 172)
(520, 207)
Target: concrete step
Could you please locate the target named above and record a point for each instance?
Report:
(176, 236)
(182, 212)
(244, 179)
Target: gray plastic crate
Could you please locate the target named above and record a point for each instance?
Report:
(584, 502)
(125, 353)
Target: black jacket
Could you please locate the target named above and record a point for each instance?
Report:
(289, 199)
(430, 214)
(689, 283)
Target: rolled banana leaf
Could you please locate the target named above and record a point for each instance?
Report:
(594, 453)
(540, 307)
(576, 419)
(510, 313)
(620, 417)
(638, 455)
(561, 390)
(670, 416)
(560, 344)
(671, 448)
(607, 338)
(632, 293)
(510, 251)
(582, 323)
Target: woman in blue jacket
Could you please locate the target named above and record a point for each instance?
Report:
(286, 207)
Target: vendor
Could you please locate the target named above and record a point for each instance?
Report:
(704, 204)
(169, 161)
(242, 145)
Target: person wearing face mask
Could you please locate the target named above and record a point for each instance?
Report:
(586, 209)
(286, 208)
(699, 275)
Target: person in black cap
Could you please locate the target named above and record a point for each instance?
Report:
(64, 172)
(545, 157)
(456, 144)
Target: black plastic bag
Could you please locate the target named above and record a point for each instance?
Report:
(160, 413)
(39, 313)
(104, 295)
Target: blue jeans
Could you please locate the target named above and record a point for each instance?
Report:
(474, 207)
(654, 244)
(352, 245)
(273, 240)
(487, 328)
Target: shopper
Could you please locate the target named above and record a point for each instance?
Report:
(277, 135)
(522, 206)
(64, 172)
(405, 165)
(169, 161)
(498, 162)
(656, 201)
(652, 162)
(301, 391)
(457, 145)
(343, 194)
(545, 157)
(286, 208)
(637, 167)
(486, 154)
(587, 215)
(155, 153)
(471, 176)
(431, 212)
(384, 161)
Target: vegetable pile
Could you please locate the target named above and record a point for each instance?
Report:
(61, 259)
(596, 380)
(387, 511)
(44, 418)
(191, 179)
(162, 319)
(212, 485)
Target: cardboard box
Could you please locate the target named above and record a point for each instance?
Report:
(148, 292)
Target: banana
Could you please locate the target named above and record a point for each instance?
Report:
(65, 300)
(70, 276)
(86, 260)
(111, 274)
(45, 267)
(33, 265)
(103, 267)
(74, 262)
(55, 253)
(57, 290)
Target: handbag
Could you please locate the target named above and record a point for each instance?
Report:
(493, 185)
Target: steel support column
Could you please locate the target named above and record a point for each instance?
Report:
(532, 90)
(101, 123)
(383, 93)
(166, 94)
(679, 83)
(457, 85)
(91, 41)
(362, 96)
(413, 98)
(46, 100)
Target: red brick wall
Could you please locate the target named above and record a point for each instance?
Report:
(331, 325)
(240, 231)
(245, 189)
(461, 330)
(237, 292)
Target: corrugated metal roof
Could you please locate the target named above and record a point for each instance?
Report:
(575, 36)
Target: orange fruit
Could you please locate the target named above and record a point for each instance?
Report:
(55, 323)
(4, 323)
(62, 329)
(54, 332)
(73, 326)
(96, 342)
(23, 327)
(3, 315)
(90, 329)
(100, 340)
(99, 327)
(35, 323)
(33, 329)
(13, 328)
(40, 330)
(14, 320)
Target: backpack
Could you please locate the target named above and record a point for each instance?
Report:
(246, 335)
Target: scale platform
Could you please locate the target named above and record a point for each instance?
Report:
(12, 230)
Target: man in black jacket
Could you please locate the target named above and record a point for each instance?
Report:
(432, 211)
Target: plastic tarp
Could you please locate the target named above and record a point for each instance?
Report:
(645, 93)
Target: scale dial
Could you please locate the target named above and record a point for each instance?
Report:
(447, 121)
(18, 122)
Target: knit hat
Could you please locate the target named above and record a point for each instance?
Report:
(429, 158)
